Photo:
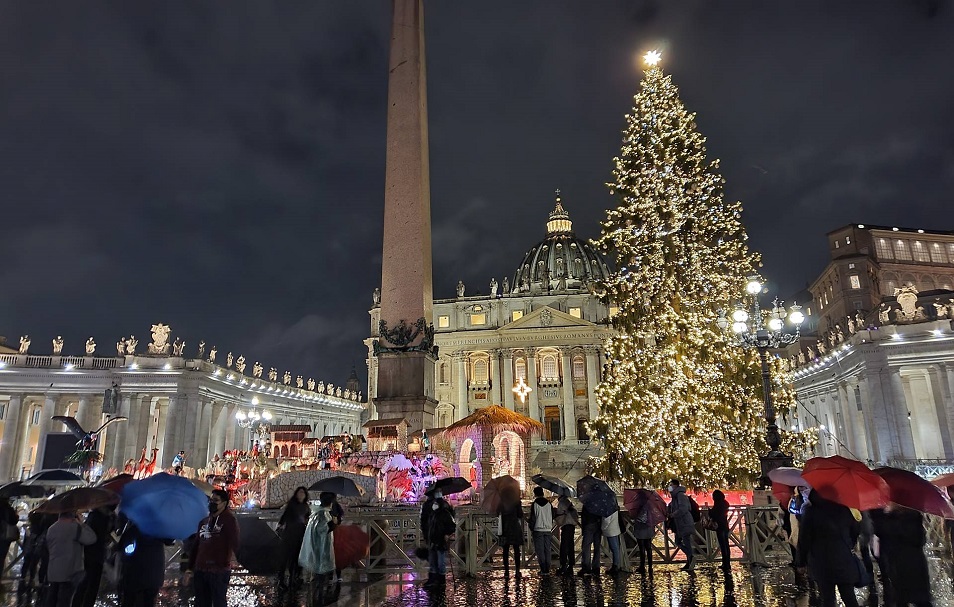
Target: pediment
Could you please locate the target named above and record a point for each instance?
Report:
(547, 318)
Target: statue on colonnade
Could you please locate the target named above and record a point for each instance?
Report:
(58, 345)
(90, 346)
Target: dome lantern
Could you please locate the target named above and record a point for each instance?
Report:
(559, 218)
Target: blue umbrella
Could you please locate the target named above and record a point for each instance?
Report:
(165, 506)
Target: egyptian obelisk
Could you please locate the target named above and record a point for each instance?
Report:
(405, 382)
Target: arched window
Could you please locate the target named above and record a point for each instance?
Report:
(292, 450)
(549, 367)
(579, 367)
(520, 369)
(480, 371)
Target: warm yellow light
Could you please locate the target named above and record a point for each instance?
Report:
(652, 58)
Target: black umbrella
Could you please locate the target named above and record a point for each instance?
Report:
(339, 485)
(55, 477)
(597, 497)
(260, 549)
(449, 485)
(18, 489)
(551, 483)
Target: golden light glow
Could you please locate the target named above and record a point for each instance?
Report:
(652, 58)
(522, 390)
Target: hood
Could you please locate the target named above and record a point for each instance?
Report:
(679, 489)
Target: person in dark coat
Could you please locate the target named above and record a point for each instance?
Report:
(291, 528)
(9, 518)
(511, 531)
(904, 567)
(644, 532)
(592, 536)
(101, 521)
(719, 513)
(144, 567)
(826, 538)
(437, 527)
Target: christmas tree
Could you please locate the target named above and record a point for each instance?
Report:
(678, 399)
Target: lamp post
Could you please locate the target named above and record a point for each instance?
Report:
(254, 421)
(764, 331)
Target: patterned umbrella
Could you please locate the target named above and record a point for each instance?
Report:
(636, 501)
(600, 502)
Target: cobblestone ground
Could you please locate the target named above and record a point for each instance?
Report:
(668, 587)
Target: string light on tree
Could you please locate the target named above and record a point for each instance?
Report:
(678, 399)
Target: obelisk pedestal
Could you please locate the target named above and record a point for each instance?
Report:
(405, 347)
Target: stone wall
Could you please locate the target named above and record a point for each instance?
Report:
(279, 489)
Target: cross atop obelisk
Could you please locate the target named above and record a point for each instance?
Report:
(405, 384)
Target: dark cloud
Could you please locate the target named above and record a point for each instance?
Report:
(221, 170)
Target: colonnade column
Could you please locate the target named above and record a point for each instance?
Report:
(10, 453)
(220, 413)
(507, 386)
(532, 382)
(902, 424)
(46, 426)
(944, 402)
(201, 452)
(569, 408)
(462, 409)
(496, 356)
(170, 427)
(82, 414)
(592, 379)
(119, 432)
(231, 427)
(870, 417)
(131, 443)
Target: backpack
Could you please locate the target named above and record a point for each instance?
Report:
(694, 510)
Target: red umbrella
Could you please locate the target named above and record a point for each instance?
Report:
(352, 544)
(634, 500)
(847, 482)
(910, 490)
(783, 493)
(502, 488)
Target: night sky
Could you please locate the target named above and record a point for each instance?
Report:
(219, 167)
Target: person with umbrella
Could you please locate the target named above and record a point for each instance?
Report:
(291, 528)
(609, 527)
(541, 526)
(592, 535)
(826, 537)
(217, 541)
(101, 520)
(65, 540)
(680, 520)
(317, 554)
(567, 519)
(510, 522)
(437, 526)
(144, 567)
(904, 567)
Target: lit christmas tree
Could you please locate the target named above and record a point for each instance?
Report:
(678, 398)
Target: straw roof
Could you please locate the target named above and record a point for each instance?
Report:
(496, 418)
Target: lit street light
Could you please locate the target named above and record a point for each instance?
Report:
(764, 331)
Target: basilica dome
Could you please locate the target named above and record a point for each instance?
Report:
(561, 261)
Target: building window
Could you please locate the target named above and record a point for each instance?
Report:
(36, 417)
(478, 319)
(851, 266)
(516, 315)
(576, 312)
(549, 366)
(520, 369)
(950, 252)
(613, 311)
(883, 248)
(442, 375)
(443, 322)
(855, 281)
(920, 251)
(3, 410)
(579, 367)
(480, 371)
(902, 251)
(808, 311)
(937, 253)
(857, 304)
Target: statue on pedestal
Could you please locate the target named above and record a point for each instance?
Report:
(460, 288)
(286, 378)
(90, 347)
(506, 285)
(131, 344)
(212, 353)
(228, 360)
(24, 344)
(376, 296)
(851, 325)
(330, 390)
(299, 382)
(321, 387)
(160, 340)
(121, 347)
(338, 392)
(493, 287)
(273, 374)
(201, 353)
(178, 347)
(240, 364)
(257, 369)
(58, 345)
(311, 384)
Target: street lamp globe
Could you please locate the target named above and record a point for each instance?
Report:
(740, 315)
(739, 327)
(267, 416)
(753, 287)
(795, 316)
(240, 415)
(775, 324)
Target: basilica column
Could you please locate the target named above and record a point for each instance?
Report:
(10, 454)
(902, 406)
(118, 434)
(46, 426)
(462, 401)
(496, 376)
(82, 414)
(569, 409)
(132, 442)
(532, 382)
(507, 383)
(592, 379)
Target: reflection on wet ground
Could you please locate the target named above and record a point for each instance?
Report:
(668, 586)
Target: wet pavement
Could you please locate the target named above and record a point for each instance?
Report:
(668, 586)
